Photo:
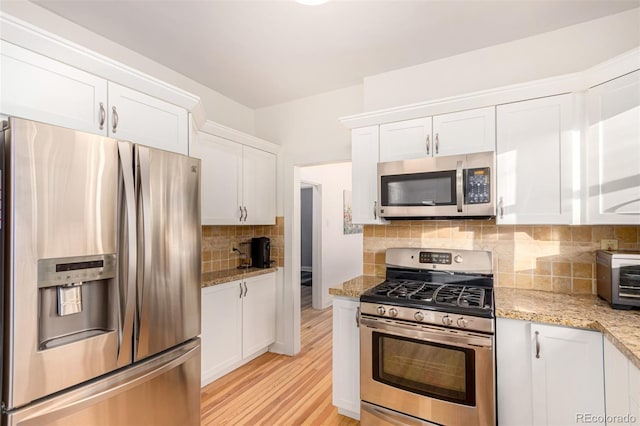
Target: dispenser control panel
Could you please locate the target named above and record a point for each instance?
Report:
(73, 270)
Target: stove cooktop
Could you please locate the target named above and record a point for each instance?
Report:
(460, 297)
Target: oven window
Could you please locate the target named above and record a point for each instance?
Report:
(431, 369)
(419, 189)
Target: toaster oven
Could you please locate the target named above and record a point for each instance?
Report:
(618, 277)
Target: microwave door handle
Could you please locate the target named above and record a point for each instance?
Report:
(459, 186)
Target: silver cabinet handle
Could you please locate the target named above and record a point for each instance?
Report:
(246, 214)
(241, 213)
(240, 284)
(501, 207)
(437, 144)
(358, 317)
(375, 210)
(537, 344)
(115, 119)
(103, 115)
(245, 289)
(428, 144)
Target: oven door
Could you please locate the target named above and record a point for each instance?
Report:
(436, 374)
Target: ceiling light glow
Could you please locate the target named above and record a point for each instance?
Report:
(311, 2)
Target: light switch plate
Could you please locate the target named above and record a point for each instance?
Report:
(609, 244)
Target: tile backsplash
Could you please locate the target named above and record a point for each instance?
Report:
(218, 243)
(551, 258)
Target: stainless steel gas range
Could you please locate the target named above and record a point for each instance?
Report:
(427, 340)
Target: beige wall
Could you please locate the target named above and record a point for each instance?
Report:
(550, 258)
(218, 242)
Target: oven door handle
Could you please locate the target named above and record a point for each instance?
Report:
(432, 334)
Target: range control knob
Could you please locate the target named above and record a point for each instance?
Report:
(457, 259)
(419, 316)
(462, 323)
(446, 320)
(393, 312)
(381, 310)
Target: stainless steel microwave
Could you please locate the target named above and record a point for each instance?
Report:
(457, 186)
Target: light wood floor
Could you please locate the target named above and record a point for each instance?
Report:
(278, 389)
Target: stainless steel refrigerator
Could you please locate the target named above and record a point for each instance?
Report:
(101, 280)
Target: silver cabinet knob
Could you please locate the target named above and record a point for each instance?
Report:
(419, 316)
(393, 312)
(381, 310)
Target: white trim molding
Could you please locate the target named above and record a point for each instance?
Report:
(225, 132)
(576, 82)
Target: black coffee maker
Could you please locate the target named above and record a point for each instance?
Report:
(261, 252)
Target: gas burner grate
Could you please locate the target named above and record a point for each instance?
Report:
(462, 296)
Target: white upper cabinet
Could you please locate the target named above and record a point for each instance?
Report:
(364, 175)
(35, 87)
(456, 133)
(613, 151)
(38, 88)
(146, 120)
(221, 178)
(238, 182)
(535, 161)
(464, 132)
(405, 140)
(258, 186)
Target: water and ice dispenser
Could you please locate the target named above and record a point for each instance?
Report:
(77, 298)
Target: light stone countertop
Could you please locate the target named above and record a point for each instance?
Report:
(356, 286)
(221, 277)
(620, 327)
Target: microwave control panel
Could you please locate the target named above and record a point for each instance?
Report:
(477, 187)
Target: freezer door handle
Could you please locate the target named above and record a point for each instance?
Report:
(128, 243)
(144, 244)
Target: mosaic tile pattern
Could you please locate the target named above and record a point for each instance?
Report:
(218, 243)
(551, 258)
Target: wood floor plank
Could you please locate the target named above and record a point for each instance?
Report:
(277, 389)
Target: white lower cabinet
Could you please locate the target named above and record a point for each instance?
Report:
(622, 387)
(346, 357)
(548, 375)
(238, 323)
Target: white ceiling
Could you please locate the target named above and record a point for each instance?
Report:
(261, 53)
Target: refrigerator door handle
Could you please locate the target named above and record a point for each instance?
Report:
(144, 244)
(128, 276)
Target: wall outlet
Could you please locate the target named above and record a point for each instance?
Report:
(609, 244)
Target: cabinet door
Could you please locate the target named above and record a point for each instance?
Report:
(513, 372)
(258, 314)
(259, 187)
(41, 89)
(464, 132)
(221, 329)
(535, 161)
(142, 119)
(364, 175)
(221, 178)
(405, 140)
(567, 370)
(346, 357)
(616, 381)
(613, 151)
